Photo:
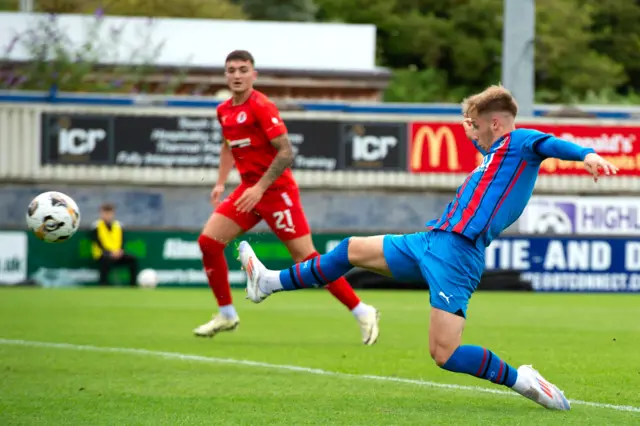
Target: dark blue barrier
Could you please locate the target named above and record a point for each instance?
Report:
(570, 264)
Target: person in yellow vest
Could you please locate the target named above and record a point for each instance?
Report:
(107, 246)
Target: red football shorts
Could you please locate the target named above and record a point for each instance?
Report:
(280, 208)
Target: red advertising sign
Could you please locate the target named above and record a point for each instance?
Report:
(438, 147)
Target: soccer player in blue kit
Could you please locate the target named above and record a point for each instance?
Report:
(449, 256)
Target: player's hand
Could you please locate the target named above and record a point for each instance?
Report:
(467, 125)
(595, 164)
(249, 199)
(216, 194)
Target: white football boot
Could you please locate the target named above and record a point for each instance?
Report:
(369, 327)
(218, 324)
(254, 269)
(256, 272)
(532, 385)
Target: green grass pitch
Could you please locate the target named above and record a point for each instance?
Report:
(589, 345)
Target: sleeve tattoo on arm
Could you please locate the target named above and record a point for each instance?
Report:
(282, 160)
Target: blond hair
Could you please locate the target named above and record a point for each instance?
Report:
(493, 99)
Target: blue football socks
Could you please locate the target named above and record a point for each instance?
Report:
(482, 363)
(318, 271)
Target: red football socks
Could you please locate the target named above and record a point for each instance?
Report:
(215, 265)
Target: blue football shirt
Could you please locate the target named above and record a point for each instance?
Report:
(496, 193)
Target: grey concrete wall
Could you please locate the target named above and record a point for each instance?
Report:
(189, 208)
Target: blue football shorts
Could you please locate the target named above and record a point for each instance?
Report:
(449, 263)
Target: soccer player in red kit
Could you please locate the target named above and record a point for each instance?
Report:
(256, 141)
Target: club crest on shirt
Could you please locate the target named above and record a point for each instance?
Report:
(242, 117)
(502, 142)
(485, 163)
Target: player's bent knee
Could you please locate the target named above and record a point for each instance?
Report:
(210, 245)
(221, 228)
(441, 354)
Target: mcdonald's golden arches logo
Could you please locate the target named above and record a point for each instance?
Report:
(434, 141)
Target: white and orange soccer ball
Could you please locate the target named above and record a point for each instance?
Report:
(53, 217)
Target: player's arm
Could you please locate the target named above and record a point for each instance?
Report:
(226, 159)
(226, 164)
(272, 125)
(282, 161)
(543, 145)
(548, 146)
(224, 168)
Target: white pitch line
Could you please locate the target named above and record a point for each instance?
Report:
(216, 360)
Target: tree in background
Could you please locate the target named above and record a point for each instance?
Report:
(441, 50)
(209, 9)
(567, 64)
(279, 10)
(206, 9)
(8, 5)
(56, 63)
(616, 33)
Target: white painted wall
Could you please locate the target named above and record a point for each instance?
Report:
(205, 42)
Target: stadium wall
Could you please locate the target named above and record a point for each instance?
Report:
(360, 172)
(188, 208)
(180, 147)
(563, 263)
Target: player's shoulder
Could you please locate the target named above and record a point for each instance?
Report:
(224, 105)
(523, 133)
(259, 99)
(258, 96)
(524, 136)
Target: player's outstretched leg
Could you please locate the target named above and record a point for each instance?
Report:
(317, 272)
(367, 316)
(445, 334)
(528, 382)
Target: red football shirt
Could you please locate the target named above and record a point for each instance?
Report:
(248, 129)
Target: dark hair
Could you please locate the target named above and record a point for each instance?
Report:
(107, 207)
(240, 55)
